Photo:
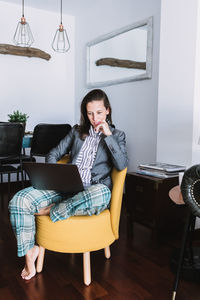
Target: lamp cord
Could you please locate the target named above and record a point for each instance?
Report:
(60, 11)
(23, 8)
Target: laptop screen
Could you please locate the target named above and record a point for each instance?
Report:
(58, 177)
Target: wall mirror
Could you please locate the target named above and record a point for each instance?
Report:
(121, 56)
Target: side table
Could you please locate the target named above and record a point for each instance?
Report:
(147, 202)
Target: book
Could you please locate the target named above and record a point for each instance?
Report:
(159, 171)
(163, 167)
(156, 173)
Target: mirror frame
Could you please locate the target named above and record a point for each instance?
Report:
(149, 50)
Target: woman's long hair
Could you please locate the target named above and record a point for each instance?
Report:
(94, 95)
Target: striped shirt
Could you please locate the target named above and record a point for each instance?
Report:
(87, 155)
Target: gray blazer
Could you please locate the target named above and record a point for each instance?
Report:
(111, 152)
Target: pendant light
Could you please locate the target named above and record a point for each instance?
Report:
(61, 42)
(23, 36)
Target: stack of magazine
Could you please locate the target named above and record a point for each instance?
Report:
(160, 170)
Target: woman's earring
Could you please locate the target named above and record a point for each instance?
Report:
(107, 120)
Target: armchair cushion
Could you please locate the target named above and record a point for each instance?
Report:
(77, 234)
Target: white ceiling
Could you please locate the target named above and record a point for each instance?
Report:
(72, 7)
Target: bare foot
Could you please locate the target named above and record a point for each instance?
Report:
(29, 270)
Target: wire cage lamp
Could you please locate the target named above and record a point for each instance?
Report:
(23, 36)
(61, 42)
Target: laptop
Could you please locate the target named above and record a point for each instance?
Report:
(59, 177)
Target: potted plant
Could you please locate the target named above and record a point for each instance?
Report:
(18, 116)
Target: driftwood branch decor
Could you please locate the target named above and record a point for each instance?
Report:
(121, 63)
(23, 51)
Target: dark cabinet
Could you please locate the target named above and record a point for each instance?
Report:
(147, 202)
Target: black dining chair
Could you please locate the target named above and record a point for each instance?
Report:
(11, 135)
(46, 137)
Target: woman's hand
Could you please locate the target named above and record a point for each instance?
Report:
(104, 128)
(45, 211)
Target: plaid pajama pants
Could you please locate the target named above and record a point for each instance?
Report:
(29, 201)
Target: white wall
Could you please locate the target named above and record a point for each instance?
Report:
(179, 88)
(42, 89)
(177, 95)
(196, 110)
(134, 104)
(46, 86)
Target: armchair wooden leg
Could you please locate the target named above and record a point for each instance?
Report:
(86, 268)
(40, 259)
(107, 252)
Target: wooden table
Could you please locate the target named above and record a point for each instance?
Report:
(148, 203)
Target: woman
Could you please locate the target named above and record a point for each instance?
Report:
(95, 147)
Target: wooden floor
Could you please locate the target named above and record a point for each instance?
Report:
(137, 270)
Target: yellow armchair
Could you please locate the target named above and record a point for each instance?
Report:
(83, 234)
